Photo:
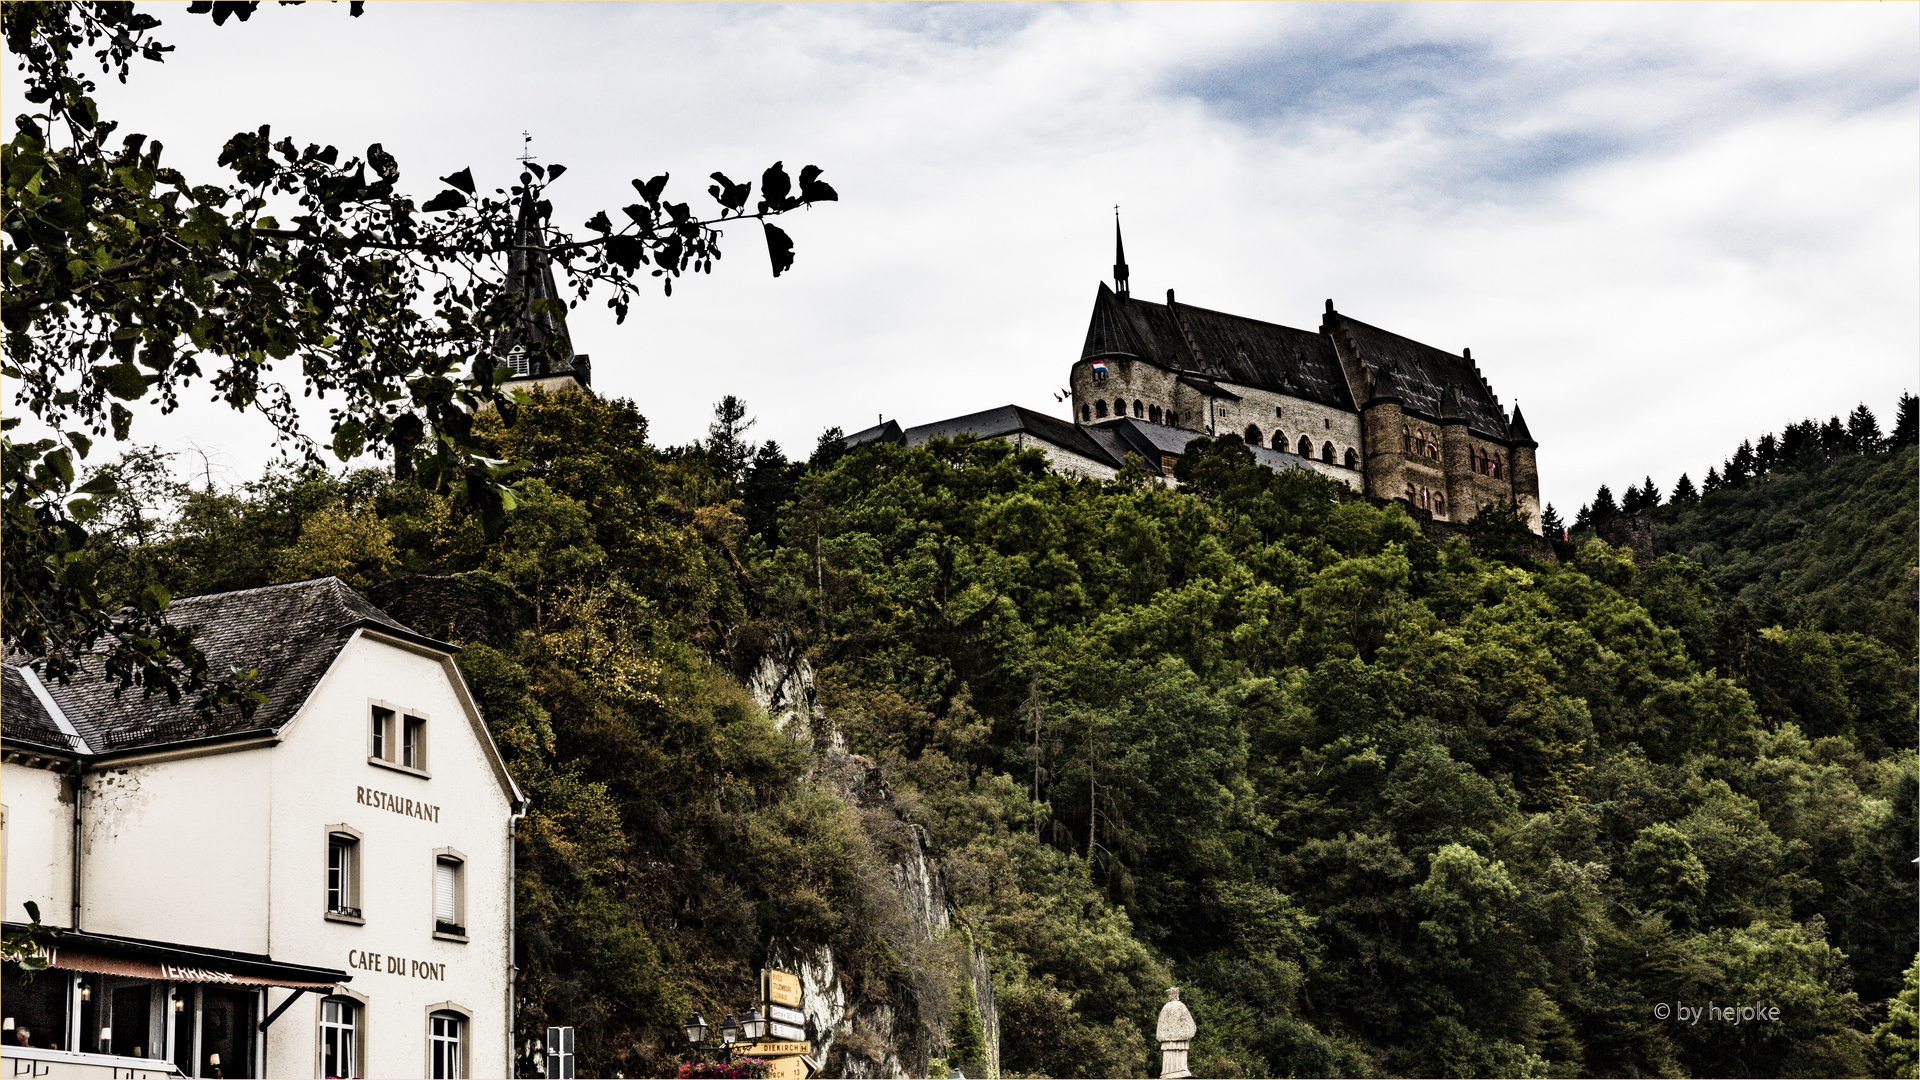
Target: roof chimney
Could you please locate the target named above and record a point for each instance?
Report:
(1169, 297)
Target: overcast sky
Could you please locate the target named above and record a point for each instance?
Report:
(1661, 228)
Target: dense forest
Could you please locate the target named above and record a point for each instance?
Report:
(1377, 804)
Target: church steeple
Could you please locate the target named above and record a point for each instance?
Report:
(538, 345)
(1119, 257)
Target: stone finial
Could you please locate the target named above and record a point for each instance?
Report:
(1329, 305)
(1176, 1023)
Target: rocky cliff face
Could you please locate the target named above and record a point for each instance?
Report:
(854, 1036)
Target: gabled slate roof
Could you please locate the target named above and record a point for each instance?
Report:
(289, 633)
(1215, 345)
(24, 721)
(1419, 375)
(1009, 420)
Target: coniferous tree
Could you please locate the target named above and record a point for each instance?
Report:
(1903, 424)
(1833, 438)
(1684, 493)
(1712, 483)
(769, 482)
(1550, 522)
(1800, 444)
(1863, 430)
(1603, 505)
(1766, 454)
(1650, 493)
(726, 438)
(1740, 465)
(1583, 519)
(1633, 500)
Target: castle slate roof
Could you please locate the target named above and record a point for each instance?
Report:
(289, 633)
(1419, 376)
(1009, 420)
(1218, 346)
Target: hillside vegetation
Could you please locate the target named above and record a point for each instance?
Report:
(1379, 806)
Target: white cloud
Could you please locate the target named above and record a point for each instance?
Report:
(1662, 228)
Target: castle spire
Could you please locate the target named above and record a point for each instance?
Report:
(537, 345)
(1119, 257)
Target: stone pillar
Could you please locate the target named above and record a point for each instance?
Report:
(1175, 1031)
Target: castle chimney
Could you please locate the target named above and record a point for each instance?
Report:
(1169, 297)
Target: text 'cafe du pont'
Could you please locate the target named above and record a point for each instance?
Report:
(319, 889)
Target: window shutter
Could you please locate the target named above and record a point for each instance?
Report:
(443, 892)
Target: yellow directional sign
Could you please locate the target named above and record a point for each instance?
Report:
(775, 1049)
(780, 988)
(790, 1068)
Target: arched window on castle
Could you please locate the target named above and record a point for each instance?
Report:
(1406, 439)
(1153, 414)
(1086, 411)
(1425, 504)
(1412, 495)
(1119, 406)
(1499, 468)
(1279, 442)
(1352, 459)
(1305, 449)
(1326, 453)
(1252, 435)
(1139, 410)
(1100, 409)
(1439, 503)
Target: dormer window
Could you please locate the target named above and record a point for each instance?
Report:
(517, 359)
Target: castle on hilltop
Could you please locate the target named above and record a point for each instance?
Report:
(1388, 416)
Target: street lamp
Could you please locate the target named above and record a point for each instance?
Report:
(729, 1031)
(696, 1029)
(755, 1026)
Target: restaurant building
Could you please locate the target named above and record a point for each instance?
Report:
(322, 888)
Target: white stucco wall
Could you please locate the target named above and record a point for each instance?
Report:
(228, 850)
(322, 777)
(39, 844)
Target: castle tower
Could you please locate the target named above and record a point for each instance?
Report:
(1526, 472)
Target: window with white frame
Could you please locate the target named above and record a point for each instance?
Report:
(343, 873)
(449, 894)
(339, 1037)
(396, 737)
(446, 1032)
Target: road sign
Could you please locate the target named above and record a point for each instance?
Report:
(785, 1015)
(790, 1032)
(790, 1068)
(780, 988)
(775, 1049)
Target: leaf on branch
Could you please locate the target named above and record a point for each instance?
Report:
(122, 420)
(813, 189)
(600, 223)
(627, 252)
(651, 190)
(446, 200)
(462, 180)
(554, 171)
(775, 185)
(779, 248)
(729, 194)
(122, 380)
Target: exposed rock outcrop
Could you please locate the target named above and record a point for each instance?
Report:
(854, 1037)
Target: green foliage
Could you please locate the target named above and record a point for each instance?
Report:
(1378, 806)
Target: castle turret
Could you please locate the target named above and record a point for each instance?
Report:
(1526, 471)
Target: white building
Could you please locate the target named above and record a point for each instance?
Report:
(321, 889)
